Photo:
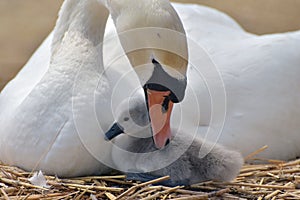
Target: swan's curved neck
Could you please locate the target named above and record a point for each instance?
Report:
(85, 16)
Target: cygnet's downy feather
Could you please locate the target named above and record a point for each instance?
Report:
(188, 166)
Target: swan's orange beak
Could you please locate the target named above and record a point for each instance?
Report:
(159, 116)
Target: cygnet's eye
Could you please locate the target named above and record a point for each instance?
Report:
(126, 119)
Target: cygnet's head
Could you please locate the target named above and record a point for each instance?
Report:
(132, 118)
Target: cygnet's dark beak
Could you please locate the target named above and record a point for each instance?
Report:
(114, 131)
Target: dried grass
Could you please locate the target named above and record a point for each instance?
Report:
(277, 180)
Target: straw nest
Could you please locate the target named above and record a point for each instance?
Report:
(276, 180)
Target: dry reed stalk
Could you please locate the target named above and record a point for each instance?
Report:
(276, 180)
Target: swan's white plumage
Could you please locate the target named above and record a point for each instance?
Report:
(28, 77)
(39, 132)
(260, 75)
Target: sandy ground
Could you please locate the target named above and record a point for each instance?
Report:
(24, 24)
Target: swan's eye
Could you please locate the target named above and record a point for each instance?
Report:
(126, 119)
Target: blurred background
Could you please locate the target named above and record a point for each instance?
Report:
(24, 24)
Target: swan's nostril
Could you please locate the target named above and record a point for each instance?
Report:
(167, 142)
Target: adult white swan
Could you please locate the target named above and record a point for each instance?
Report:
(38, 120)
(258, 77)
(261, 79)
(49, 111)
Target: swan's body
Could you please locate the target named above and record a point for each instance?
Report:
(260, 75)
(54, 121)
(261, 80)
(180, 160)
(48, 116)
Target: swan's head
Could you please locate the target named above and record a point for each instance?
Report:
(154, 40)
(131, 118)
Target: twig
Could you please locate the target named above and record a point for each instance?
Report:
(4, 194)
(257, 185)
(251, 155)
(158, 194)
(89, 178)
(142, 185)
(14, 182)
(91, 187)
(110, 196)
(206, 196)
(269, 196)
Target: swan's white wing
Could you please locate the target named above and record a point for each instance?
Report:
(261, 77)
(262, 85)
(210, 28)
(33, 71)
(44, 124)
(239, 55)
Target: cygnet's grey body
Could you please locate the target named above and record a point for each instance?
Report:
(180, 159)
